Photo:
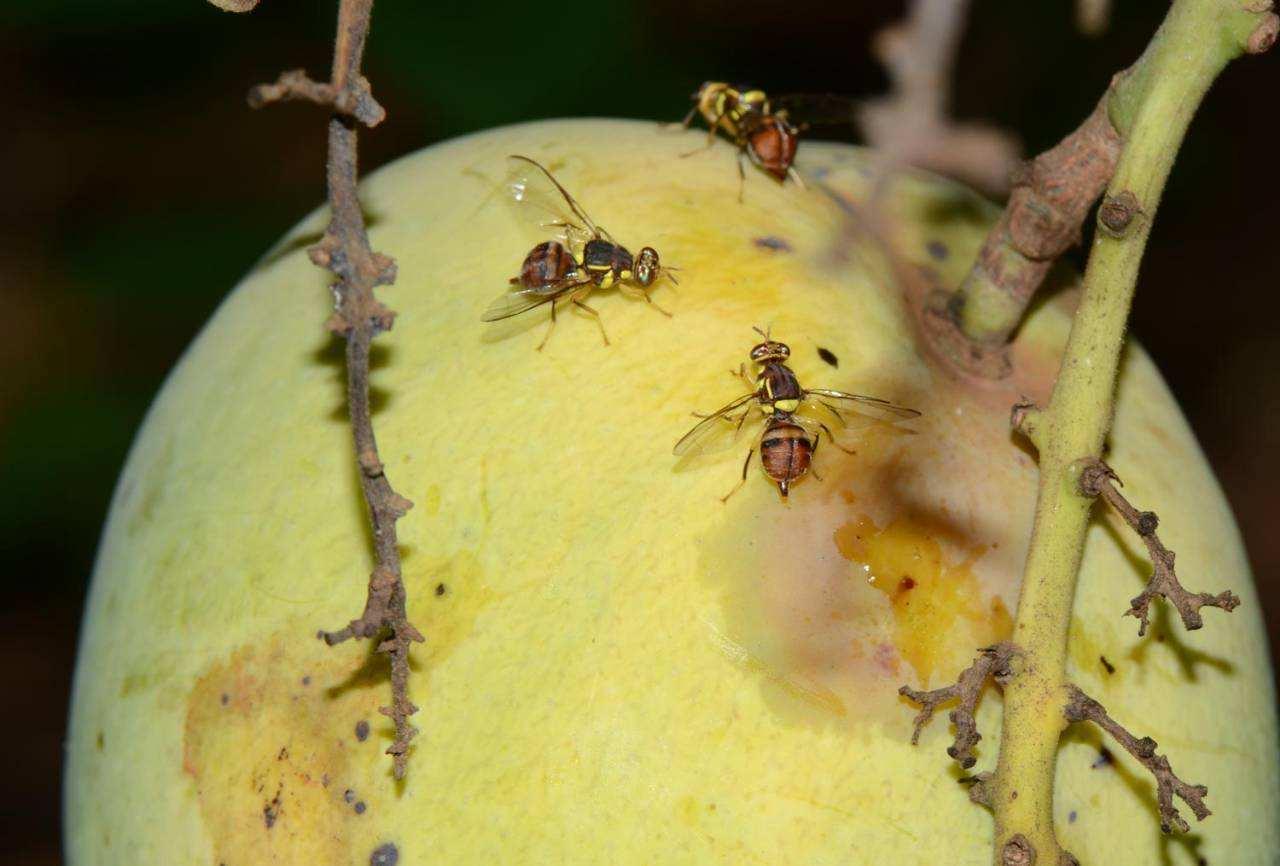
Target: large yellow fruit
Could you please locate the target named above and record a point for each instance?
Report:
(618, 668)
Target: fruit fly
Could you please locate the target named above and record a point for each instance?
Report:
(763, 136)
(789, 438)
(583, 257)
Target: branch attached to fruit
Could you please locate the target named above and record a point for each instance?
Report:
(1098, 479)
(1052, 198)
(992, 663)
(358, 317)
(1082, 708)
(1150, 106)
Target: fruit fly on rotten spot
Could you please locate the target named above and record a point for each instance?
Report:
(789, 438)
(764, 137)
(583, 257)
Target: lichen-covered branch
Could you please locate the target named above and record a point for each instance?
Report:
(992, 663)
(1098, 479)
(912, 123)
(1082, 708)
(358, 317)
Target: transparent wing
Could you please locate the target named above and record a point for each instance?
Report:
(839, 402)
(815, 109)
(718, 430)
(545, 206)
(514, 303)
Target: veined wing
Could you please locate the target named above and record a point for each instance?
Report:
(515, 302)
(839, 402)
(718, 430)
(816, 109)
(545, 206)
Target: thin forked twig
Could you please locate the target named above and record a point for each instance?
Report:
(992, 661)
(359, 317)
(1098, 479)
(1082, 708)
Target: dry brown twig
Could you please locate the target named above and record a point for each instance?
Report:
(358, 317)
(1098, 479)
(1082, 708)
(993, 662)
(912, 122)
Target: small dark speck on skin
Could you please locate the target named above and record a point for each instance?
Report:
(439, 589)
(1071, 817)
(1108, 666)
(306, 681)
(828, 356)
(348, 795)
(385, 855)
(360, 807)
(226, 698)
(102, 741)
(362, 730)
(937, 250)
(772, 244)
(1105, 758)
(907, 582)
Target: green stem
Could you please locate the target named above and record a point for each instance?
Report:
(1052, 199)
(1197, 39)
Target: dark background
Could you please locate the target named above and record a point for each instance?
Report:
(127, 154)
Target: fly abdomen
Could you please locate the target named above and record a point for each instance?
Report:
(772, 144)
(785, 452)
(547, 264)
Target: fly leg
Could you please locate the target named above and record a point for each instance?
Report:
(741, 373)
(746, 464)
(742, 176)
(644, 293)
(813, 452)
(795, 175)
(576, 299)
(550, 327)
(831, 436)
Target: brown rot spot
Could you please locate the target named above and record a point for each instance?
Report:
(1106, 665)
(385, 855)
(907, 583)
(772, 244)
(440, 589)
(362, 730)
(1105, 758)
(828, 356)
(271, 810)
(937, 250)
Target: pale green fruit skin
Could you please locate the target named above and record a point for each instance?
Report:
(621, 669)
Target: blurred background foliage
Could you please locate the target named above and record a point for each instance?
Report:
(137, 188)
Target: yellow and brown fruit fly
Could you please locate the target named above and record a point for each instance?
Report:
(789, 438)
(583, 257)
(763, 136)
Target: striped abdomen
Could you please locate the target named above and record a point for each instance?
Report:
(547, 264)
(771, 143)
(785, 451)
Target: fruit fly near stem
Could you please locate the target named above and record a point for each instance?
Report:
(789, 438)
(583, 257)
(763, 136)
